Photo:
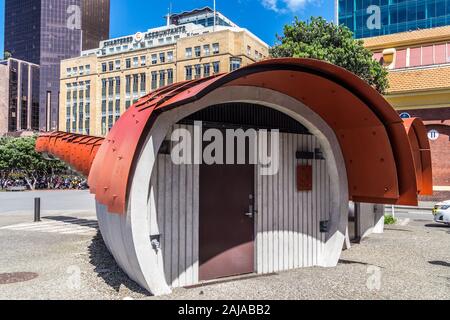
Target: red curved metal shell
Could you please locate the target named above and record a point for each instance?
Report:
(375, 146)
(420, 148)
(77, 150)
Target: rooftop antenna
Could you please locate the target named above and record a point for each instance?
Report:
(169, 12)
(214, 27)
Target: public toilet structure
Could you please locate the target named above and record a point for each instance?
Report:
(170, 225)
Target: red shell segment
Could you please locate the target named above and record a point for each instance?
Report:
(376, 148)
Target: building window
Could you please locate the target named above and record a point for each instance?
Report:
(117, 86)
(188, 52)
(128, 85)
(170, 56)
(117, 63)
(215, 47)
(206, 50)
(104, 67)
(143, 84)
(198, 71)
(162, 57)
(104, 126)
(81, 70)
(161, 41)
(249, 50)
(110, 87)
(216, 67)
(110, 107)
(88, 91)
(162, 78)
(103, 88)
(135, 62)
(128, 63)
(117, 111)
(110, 66)
(169, 76)
(154, 84)
(143, 61)
(135, 85)
(104, 108)
(69, 72)
(154, 59)
(206, 70)
(188, 72)
(197, 51)
(80, 117)
(127, 104)
(235, 63)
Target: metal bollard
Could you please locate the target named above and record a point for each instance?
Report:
(37, 209)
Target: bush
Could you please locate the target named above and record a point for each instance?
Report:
(389, 220)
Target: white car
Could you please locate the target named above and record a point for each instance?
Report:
(441, 212)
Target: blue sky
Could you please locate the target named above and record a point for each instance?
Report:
(264, 18)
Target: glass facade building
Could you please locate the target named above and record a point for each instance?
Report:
(45, 32)
(21, 81)
(369, 18)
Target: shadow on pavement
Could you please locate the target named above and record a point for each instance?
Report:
(107, 268)
(437, 225)
(439, 263)
(72, 220)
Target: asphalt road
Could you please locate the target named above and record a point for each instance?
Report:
(18, 207)
(69, 260)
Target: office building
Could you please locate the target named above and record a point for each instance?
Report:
(44, 32)
(368, 18)
(98, 86)
(19, 96)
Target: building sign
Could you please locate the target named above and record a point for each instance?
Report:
(405, 115)
(433, 135)
(138, 37)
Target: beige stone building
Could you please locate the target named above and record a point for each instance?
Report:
(99, 86)
(19, 96)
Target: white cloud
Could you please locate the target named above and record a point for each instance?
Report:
(294, 5)
(270, 4)
(287, 5)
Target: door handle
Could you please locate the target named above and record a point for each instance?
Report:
(251, 209)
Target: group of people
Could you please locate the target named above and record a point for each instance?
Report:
(46, 182)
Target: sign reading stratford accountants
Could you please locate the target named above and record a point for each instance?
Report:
(151, 34)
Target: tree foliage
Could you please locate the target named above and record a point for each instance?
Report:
(18, 155)
(319, 39)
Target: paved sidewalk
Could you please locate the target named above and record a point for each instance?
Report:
(406, 262)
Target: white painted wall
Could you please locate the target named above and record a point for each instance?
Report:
(176, 192)
(287, 233)
(288, 221)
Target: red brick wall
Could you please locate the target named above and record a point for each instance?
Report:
(440, 148)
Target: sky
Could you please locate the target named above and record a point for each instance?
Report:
(265, 18)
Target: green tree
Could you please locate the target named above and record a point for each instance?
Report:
(18, 156)
(319, 39)
(7, 55)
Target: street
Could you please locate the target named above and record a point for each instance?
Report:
(18, 207)
(67, 259)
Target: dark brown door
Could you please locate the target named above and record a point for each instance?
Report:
(226, 227)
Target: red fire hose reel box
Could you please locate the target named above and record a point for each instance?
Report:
(304, 178)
